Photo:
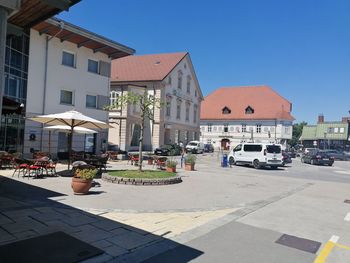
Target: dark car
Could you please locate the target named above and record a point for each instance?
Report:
(168, 149)
(208, 148)
(317, 157)
(286, 158)
(292, 154)
(338, 155)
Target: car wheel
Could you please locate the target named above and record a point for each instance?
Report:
(330, 164)
(283, 164)
(232, 161)
(256, 164)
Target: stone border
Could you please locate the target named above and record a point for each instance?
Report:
(140, 181)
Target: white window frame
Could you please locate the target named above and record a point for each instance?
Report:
(92, 95)
(73, 97)
(244, 128)
(113, 98)
(258, 128)
(210, 127)
(188, 84)
(74, 58)
(98, 66)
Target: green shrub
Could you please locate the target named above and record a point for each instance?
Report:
(190, 159)
(171, 164)
(87, 174)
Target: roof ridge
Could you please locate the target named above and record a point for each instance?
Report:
(160, 54)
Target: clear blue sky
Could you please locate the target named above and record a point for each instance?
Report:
(301, 48)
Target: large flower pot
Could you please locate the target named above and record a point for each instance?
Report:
(171, 169)
(189, 166)
(81, 186)
(150, 161)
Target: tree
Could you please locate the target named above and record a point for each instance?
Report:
(146, 103)
(297, 131)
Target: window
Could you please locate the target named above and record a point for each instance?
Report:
(209, 127)
(93, 66)
(336, 130)
(244, 128)
(252, 147)
(91, 101)
(178, 110)
(195, 113)
(168, 108)
(225, 127)
(188, 84)
(195, 93)
(68, 59)
(286, 130)
(258, 128)
(66, 97)
(273, 148)
(226, 110)
(237, 129)
(215, 128)
(232, 128)
(179, 80)
(341, 130)
(114, 96)
(238, 148)
(330, 130)
(249, 110)
(187, 112)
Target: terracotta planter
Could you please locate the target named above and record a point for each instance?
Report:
(81, 186)
(171, 169)
(189, 166)
(150, 161)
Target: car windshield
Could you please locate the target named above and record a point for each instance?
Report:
(193, 144)
(273, 148)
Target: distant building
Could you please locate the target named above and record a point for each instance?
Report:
(232, 115)
(169, 77)
(327, 135)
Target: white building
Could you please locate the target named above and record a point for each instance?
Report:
(68, 68)
(233, 115)
(169, 77)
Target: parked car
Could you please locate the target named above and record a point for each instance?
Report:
(168, 149)
(195, 147)
(286, 158)
(317, 158)
(292, 154)
(257, 154)
(338, 155)
(307, 150)
(208, 148)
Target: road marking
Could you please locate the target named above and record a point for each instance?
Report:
(342, 246)
(347, 217)
(326, 250)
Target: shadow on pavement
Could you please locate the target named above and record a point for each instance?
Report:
(26, 211)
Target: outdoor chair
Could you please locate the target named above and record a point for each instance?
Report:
(134, 159)
(160, 162)
(51, 168)
(20, 167)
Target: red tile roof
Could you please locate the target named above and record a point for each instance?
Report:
(266, 103)
(145, 68)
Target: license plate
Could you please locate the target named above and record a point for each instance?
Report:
(325, 159)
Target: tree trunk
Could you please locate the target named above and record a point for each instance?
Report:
(141, 142)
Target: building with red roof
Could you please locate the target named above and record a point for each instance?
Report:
(231, 115)
(171, 78)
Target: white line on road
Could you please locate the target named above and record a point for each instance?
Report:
(334, 239)
(347, 217)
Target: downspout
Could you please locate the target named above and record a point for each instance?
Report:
(154, 94)
(47, 40)
(120, 120)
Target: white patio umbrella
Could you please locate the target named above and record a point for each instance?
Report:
(67, 128)
(72, 119)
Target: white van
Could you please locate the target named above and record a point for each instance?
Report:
(257, 154)
(195, 147)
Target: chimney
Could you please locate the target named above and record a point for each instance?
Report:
(320, 118)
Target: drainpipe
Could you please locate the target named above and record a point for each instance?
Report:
(48, 39)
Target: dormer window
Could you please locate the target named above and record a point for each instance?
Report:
(226, 110)
(249, 110)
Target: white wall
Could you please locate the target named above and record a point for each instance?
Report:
(60, 77)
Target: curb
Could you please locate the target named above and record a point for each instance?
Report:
(140, 181)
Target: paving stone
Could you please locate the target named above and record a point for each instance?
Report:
(21, 213)
(115, 250)
(26, 234)
(107, 224)
(5, 219)
(130, 240)
(5, 237)
(120, 231)
(102, 244)
(92, 234)
(79, 220)
(58, 225)
(102, 258)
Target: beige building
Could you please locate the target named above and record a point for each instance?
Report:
(169, 77)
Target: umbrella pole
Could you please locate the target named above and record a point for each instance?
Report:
(70, 146)
(50, 143)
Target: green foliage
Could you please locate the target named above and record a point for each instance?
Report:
(171, 164)
(87, 174)
(143, 174)
(297, 131)
(190, 159)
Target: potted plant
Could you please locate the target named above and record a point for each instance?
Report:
(190, 161)
(171, 166)
(82, 179)
(150, 159)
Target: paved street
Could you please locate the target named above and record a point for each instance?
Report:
(233, 214)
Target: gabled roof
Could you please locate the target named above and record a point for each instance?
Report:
(266, 103)
(145, 68)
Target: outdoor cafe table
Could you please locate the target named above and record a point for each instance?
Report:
(42, 164)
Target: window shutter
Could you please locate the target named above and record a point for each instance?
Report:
(105, 68)
(102, 101)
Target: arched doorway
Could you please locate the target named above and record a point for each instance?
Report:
(225, 144)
